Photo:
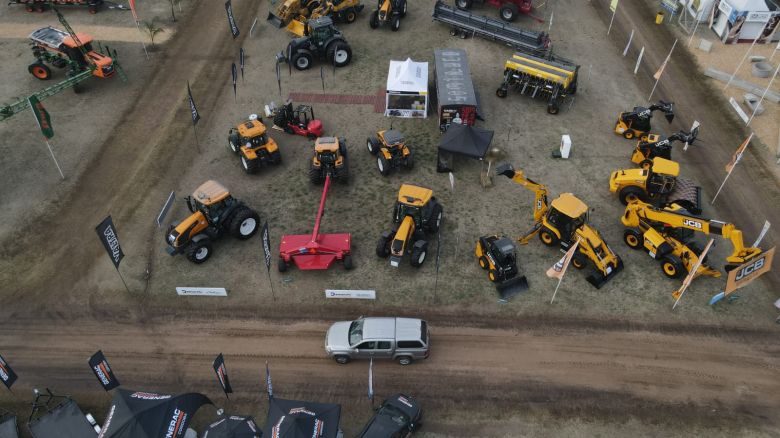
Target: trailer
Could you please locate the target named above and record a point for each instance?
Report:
(554, 77)
(93, 6)
(464, 23)
(456, 99)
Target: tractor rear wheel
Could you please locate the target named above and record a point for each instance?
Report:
(630, 194)
(339, 53)
(419, 252)
(249, 166)
(243, 224)
(509, 12)
(200, 251)
(434, 220)
(409, 160)
(373, 22)
(276, 157)
(395, 24)
(233, 143)
(483, 262)
(672, 267)
(382, 164)
(302, 60)
(315, 175)
(549, 238)
(40, 71)
(404, 8)
(342, 173)
(372, 144)
(633, 238)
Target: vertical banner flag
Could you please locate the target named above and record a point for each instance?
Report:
(559, 268)
(234, 74)
(268, 385)
(132, 9)
(193, 108)
(231, 21)
(222, 375)
(738, 154)
(7, 375)
(266, 246)
(102, 371)
(691, 274)
(279, 79)
(745, 274)
(371, 380)
(107, 234)
(41, 116)
(241, 61)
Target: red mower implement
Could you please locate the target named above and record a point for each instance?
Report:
(315, 251)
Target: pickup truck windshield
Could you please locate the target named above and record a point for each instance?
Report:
(355, 332)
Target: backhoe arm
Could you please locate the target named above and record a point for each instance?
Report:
(540, 190)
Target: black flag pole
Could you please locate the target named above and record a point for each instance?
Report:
(279, 80)
(289, 59)
(436, 282)
(234, 74)
(322, 77)
(267, 253)
(241, 63)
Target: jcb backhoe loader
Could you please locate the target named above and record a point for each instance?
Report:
(641, 216)
(340, 11)
(561, 223)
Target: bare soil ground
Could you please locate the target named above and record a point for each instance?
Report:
(597, 362)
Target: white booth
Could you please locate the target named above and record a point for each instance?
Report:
(407, 89)
(740, 21)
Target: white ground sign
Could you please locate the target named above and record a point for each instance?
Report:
(202, 291)
(354, 294)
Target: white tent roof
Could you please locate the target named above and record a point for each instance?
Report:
(749, 5)
(407, 76)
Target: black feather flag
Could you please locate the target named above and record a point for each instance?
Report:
(241, 62)
(235, 76)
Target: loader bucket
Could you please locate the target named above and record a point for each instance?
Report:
(274, 20)
(297, 27)
(598, 280)
(510, 288)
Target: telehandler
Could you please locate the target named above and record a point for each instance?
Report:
(417, 213)
(644, 222)
(498, 256)
(388, 11)
(214, 213)
(249, 140)
(659, 183)
(659, 146)
(391, 151)
(563, 222)
(330, 159)
(636, 123)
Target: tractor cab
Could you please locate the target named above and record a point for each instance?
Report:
(413, 201)
(252, 133)
(567, 214)
(662, 176)
(327, 150)
(211, 199)
(330, 159)
(393, 139)
(320, 30)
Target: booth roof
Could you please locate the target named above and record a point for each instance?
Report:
(408, 76)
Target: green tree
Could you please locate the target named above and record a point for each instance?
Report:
(152, 29)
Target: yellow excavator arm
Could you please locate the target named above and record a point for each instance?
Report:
(540, 190)
(639, 211)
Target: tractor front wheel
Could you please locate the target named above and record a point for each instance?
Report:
(372, 144)
(382, 164)
(409, 160)
(249, 166)
(628, 134)
(315, 175)
(493, 275)
(404, 8)
(302, 60)
(200, 251)
(383, 245)
(395, 24)
(233, 143)
(244, 223)
(40, 71)
(373, 22)
(276, 157)
(283, 265)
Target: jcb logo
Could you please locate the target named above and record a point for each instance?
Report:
(749, 269)
(692, 223)
(539, 204)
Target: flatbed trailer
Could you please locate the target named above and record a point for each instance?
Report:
(464, 23)
(93, 6)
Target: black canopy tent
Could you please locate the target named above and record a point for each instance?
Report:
(234, 426)
(57, 416)
(8, 428)
(467, 141)
(301, 419)
(138, 414)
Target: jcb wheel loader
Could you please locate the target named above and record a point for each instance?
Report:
(563, 222)
(214, 213)
(249, 140)
(390, 150)
(388, 11)
(636, 123)
(417, 213)
(330, 159)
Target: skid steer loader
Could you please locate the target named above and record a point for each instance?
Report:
(416, 214)
(214, 213)
(249, 140)
(636, 123)
(388, 11)
(660, 183)
(498, 256)
(659, 146)
(563, 222)
(330, 159)
(390, 150)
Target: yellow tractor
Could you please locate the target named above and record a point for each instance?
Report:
(417, 213)
(391, 151)
(250, 141)
(214, 213)
(340, 11)
(563, 222)
(659, 183)
(330, 158)
(388, 11)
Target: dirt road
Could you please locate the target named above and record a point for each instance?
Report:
(607, 373)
